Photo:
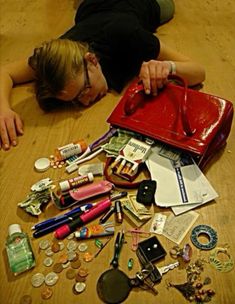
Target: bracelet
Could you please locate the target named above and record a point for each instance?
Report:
(172, 67)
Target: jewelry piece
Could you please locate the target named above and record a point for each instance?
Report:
(209, 232)
(222, 266)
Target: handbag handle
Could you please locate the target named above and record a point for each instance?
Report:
(132, 103)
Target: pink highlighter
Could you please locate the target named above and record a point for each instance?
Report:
(86, 217)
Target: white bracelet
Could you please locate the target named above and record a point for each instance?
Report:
(172, 67)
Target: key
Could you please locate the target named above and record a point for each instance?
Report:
(145, 281)
(166, 268)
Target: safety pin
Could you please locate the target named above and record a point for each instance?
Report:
(135, 233)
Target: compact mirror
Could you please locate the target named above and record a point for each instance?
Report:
(107, 286)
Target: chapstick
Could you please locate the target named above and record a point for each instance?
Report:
(118, 210)
(76, 182)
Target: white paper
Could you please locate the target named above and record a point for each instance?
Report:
(180, 184)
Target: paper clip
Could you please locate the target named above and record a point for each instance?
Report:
(136, 233)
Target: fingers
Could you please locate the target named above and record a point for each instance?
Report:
(154, 75)
(9, 130)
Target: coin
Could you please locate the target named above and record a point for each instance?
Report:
(57, 268)
(72, 255)
(75, 264)
(46, 293)
(63, 258)
(88, 257)
(72, 245)
(49, 252)
(51, 278)
(82, 247)
(74, 290)
(48, 262)
(55, 247)
(26, 299)
(70, 274)
(66, 265)
(78, 278)
(37, 279)
(70, 236)
(44, 244)
(83, 272)
(61, 244)
(80, 286)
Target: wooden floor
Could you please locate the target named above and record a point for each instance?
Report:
(205, 30)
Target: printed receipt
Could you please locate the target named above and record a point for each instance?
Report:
(176, 227)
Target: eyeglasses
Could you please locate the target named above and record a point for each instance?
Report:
(87, 84)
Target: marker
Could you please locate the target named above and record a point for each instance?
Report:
(93, 213)
(59, 218)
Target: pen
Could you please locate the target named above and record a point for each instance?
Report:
(107, 215)
(88, 216)
(53, 227)
(59, 218)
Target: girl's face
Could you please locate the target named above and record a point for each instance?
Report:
(88, 87)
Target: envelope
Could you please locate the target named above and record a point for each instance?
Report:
(179, 183)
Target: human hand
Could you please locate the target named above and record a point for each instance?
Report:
(11, 126)
(154, 75)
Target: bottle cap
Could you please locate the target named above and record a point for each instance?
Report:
(14, 228)
(90, 176)
(64, 186)
(42, 164)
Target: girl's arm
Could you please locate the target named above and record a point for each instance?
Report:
(11, 124)
(154, 73)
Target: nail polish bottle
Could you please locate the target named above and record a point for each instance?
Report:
(19, 251)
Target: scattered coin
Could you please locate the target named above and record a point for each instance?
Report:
(37, 279)
(61, 244)
(46, 293)
(78, 278)
(70, 236)
(66, 265)
(70, 274)
(51, 278)
(57, 267)
(75, 264)
(83, 272)
(55, 247)
(44, 244)
(80, 287)
(88, 257)
(63, 258)
(49, 252)
(26, 299)
(82, 247)
(74, 290)
(72, 245)
(72, 255)
(48, 262)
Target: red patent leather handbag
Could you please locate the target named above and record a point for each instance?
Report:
(184, 118)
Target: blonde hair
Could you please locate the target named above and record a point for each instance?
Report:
(55, 63)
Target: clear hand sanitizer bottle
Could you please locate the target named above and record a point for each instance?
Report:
(19, 250)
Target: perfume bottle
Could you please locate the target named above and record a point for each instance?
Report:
(19, 250)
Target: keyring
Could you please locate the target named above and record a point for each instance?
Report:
(209, 232)
(222, 266)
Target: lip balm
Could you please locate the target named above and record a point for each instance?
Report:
(76, 182)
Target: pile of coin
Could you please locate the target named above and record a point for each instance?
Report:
(58, 259)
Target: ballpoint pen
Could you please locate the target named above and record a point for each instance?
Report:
(59, 218)
(53, 226)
